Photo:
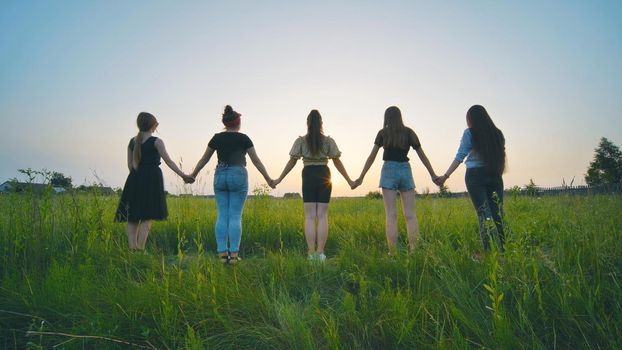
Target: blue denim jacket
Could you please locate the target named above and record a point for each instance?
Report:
(465, 150)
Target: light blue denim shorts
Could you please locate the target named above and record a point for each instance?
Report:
(396, 176)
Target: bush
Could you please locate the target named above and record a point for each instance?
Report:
(373, 195)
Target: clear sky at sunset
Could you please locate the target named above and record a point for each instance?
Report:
(74, 75)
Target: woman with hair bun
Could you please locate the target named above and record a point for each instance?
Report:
(315, 149)
(230, 182)
(143, 199)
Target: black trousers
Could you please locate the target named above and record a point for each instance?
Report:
(486, 192)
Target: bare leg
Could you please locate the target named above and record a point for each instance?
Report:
(410, 214)
(389, 197)
(322, 226)
(310, 234)
(143, 233)
(132, 235)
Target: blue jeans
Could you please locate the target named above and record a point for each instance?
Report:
(396, 176)
(231, 188)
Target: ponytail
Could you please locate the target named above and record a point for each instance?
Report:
(315, 133)
(145, 122)
(138, 141)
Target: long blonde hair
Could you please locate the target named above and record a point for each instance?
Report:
(145, 122)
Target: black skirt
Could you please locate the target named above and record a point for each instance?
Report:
(316, 184)
(143, 196)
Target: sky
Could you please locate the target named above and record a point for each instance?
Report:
(75, 74)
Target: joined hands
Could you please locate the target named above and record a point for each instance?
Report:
(273, 182)
(440, 180)
(188, 179)
(356, 183)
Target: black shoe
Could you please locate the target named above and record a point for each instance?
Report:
(224, 259)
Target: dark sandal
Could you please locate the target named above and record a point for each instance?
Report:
(234, 260)
(224, 259)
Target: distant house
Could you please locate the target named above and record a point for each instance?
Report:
(5, 187)
(16, 186)
(107, 190)
(292, 195)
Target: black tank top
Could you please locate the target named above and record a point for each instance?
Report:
(149, 155)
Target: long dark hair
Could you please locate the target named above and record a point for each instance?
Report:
(393, 129)
(145, 122)
(488, 140)
(315, 133)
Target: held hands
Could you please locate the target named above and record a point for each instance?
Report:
(356, 183)
(440, 180)
(272, 183)
(188, 179)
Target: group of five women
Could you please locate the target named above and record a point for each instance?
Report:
(482, 144)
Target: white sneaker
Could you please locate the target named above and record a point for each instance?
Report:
(312, 257)
(322, 257)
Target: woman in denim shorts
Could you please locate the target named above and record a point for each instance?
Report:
(396, 175)
(230, 182)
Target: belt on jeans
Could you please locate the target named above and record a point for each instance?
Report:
(226, 165)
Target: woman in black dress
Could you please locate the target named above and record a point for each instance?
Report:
(143, 198)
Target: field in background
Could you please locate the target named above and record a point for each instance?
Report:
(64, 268)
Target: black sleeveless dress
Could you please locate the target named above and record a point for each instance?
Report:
(143, 196)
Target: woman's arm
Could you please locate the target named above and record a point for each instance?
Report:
(368, 163)
(288, 167)
(463, 150)
(452, 167)
(206, 157)
(339, 166)
(130, 158)
(426, 163)
(259, 165)
(159, 144)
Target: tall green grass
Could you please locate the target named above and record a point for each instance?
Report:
(65, 269)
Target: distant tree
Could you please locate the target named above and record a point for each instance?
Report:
(531, 188)
(60, 180)
(373, 195)
(606, 168)
(514, 190)
(444, 192)
(32, 174)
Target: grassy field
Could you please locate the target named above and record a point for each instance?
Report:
(67, 279)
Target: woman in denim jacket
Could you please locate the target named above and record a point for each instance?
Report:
(396, 175)
(483, 146)
(230, 182)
